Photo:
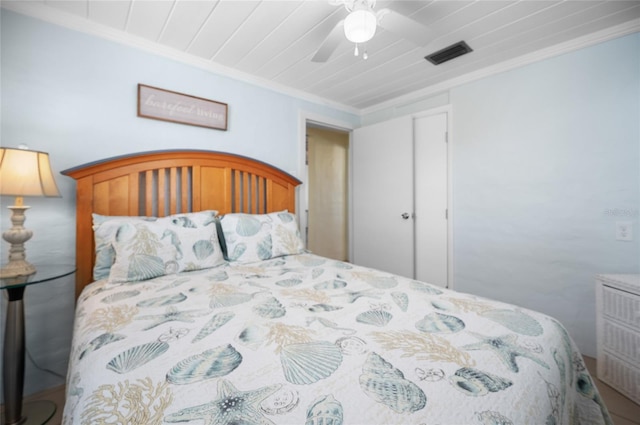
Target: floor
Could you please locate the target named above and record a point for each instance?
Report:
(623, 411)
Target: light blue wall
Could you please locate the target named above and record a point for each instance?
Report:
(546, 160)
(74, 96)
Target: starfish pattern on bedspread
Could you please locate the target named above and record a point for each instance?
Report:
(172, 314)
(231, 407)
(506, 348)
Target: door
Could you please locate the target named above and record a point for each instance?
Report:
(327, 153)
(382, 181)
(431, 193)
(400, 197)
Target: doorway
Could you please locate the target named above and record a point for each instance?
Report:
(327, 160)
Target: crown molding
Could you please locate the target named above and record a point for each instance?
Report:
(617, 31)
(67, 20)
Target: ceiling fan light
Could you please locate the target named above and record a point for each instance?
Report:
(360, 26)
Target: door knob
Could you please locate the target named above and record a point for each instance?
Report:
(405, 216)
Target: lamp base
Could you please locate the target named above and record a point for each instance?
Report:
(17, 235)
(17, 268)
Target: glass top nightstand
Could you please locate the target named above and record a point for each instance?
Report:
(38, 412)
(43, 274)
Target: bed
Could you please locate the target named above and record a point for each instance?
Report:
(197, 303)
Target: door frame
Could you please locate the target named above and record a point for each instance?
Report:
(329, 123)
(446, 109)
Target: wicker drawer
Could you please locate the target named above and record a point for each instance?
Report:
(621, 341)
(620, 375)
(618, 332)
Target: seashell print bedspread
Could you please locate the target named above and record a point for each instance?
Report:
(311, 341)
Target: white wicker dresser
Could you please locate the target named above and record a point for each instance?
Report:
(618, 330)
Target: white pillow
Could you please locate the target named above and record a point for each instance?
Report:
(256, 237)
(181, 242)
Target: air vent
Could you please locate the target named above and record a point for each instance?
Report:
(448, 53)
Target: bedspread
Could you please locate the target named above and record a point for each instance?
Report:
(304, 339)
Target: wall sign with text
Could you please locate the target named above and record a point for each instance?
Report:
(165, 105)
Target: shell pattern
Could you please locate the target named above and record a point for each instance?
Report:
(489, 417)
(325, 410)
(144, 266)
(516, 321)
(184, 222)
(238, 250)
(217, 321)
(378, 318)
(247, 225)
(309, 362)
(100, 341)
(265, 248)
(252, 336)
(442, 305)
(271, 308)
(351, 345)
(423, 287)
(440, 323)
(387, 385)
(202, 249)
(119, 296)
(287, 283)
(401, 299)
(319, 308)
(283, 401)
(285, 217)
(214, 363)
(476, 383)
(218, 276)
(228, 300)
(171, 267)
(330, 284)
(163, 301)
(137, 356)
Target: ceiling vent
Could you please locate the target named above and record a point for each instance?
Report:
(451, 52)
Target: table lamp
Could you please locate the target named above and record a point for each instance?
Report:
(23, 172)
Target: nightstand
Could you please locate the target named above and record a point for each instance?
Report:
(14, 348)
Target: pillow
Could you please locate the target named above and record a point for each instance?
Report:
(257, 237)
(147, 248)
(104, 228)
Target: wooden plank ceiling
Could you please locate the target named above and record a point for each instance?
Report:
(274, 41)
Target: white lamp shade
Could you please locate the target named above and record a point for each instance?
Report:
(360, 25)
(25, 172)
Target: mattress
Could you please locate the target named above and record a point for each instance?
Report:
(303, 339)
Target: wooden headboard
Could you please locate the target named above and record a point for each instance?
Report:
(162, 183)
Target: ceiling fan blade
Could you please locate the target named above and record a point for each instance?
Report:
(403, 26)
(330, 44)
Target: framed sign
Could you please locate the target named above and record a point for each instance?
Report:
(166, 105)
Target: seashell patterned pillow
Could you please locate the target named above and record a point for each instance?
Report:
(257, 237)
(155, 247)
(104, 228)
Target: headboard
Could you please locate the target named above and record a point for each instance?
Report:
(162, 183)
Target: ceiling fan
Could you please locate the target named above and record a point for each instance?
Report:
(360, 25)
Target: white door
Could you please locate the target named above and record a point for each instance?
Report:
(383, 196)
(431, 183)
(400, 197)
